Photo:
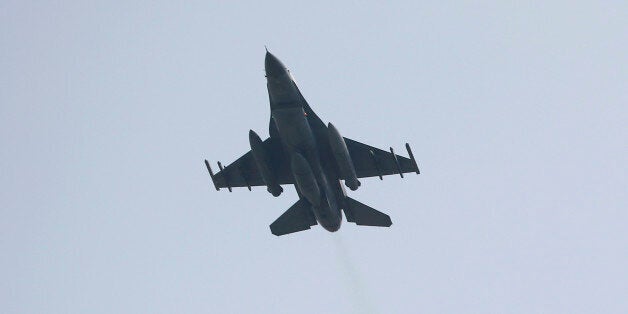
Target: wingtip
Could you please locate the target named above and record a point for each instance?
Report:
(416, 166)
(211, 175)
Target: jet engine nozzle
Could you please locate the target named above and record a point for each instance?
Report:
(343, 159)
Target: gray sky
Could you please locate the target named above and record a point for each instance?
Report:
(516, 112)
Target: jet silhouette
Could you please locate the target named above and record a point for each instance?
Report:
(312, 156)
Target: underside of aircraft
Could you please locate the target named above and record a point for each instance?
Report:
(305, 152)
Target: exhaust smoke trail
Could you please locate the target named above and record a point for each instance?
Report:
(360, 298)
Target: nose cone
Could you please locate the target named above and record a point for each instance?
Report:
(274, 67)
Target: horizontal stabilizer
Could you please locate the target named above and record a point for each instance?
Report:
(364, 215)
(298, 217)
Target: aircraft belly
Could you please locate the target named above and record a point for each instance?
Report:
(283, 93)
(294, 128)
(295, 131)
(328, 214)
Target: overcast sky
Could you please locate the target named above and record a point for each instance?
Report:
(517, 113)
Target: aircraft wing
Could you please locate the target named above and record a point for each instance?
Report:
(370, 161)
(244, 172)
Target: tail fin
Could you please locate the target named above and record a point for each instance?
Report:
(298, 217)
(364, 215)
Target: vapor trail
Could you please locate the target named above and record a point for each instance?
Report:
(358, 291)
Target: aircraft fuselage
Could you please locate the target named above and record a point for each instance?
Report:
(316, 180)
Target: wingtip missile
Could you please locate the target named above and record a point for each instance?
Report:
(416, 166)
(211, 175)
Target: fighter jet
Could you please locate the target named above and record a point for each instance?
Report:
(305, 152)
